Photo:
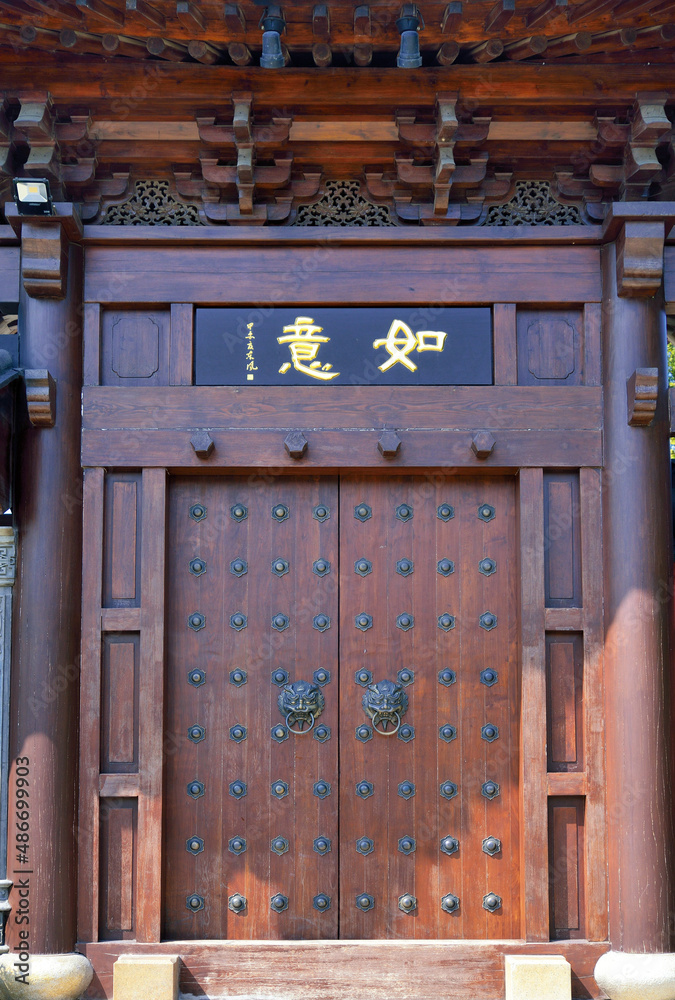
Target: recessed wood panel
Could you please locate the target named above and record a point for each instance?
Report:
(119, 702)
(135, 347)
(550, 347)
(118, 864)
(564, 695)
(562, 540)
(566, 868)
(122, 564)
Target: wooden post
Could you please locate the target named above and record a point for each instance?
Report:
(638, 528)
(46, 633)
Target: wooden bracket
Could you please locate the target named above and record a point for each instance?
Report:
(642, 389)
(40, 397)
(639, 258)
(44, 248)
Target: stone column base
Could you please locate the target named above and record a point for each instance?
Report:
(636, 977)
(44, 977)
(537, 977)
(146, 977)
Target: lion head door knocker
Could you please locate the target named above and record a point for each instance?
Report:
(301, 703)
(385, 703)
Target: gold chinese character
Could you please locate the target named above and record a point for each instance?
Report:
(304, 344)
(401, 341)
(399, 347)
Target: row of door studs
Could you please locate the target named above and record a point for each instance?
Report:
(364, 789)
(407, 903)
(321, 622)
(364, 845)
(322, 567)
(362, 512)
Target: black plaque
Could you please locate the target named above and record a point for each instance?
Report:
(307, 345)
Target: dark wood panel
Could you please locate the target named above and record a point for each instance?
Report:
(122, 540)
(218, 704)
(118, 869)
(550, 347)
(562, 540)
(340, 449)
(428, 761)
(135, 347)
(564, 699)
(364, 407)
(119, 723)
(341, 276)
(322, 970)
(566, 868)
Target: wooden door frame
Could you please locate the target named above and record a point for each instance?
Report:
(143, 263)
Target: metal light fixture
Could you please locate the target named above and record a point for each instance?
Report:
(409, 24)
(32, 196)
(272, 24)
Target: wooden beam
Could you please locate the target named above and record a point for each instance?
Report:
(234, 19)
(486, 51)
(321, 22)
(545, 11)
(124, 46)
(447, 53)
(166, 49)
(98, 8)
(525, 48)
(500, 15)
(203, 52)
(239, 53)
(362, 24)
(568, 45)
(452, 17)
(190, 16)
(145, 12)
(80, 41)
(322, 54)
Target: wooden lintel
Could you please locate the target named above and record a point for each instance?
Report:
(120, 619)
(567, 783)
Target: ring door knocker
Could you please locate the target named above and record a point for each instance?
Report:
(385, 703)
(301, 703)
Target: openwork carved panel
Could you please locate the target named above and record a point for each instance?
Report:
(342, 204)
(534, 205)
(152, 204)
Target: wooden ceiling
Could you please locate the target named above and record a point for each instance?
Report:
(98, 93)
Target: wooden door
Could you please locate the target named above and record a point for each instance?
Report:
(342, 831)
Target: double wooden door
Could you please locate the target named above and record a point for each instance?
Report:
(393, 810)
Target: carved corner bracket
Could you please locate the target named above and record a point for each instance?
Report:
(639, 258)
(44, 248)
(642, 389)
(40, 397)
